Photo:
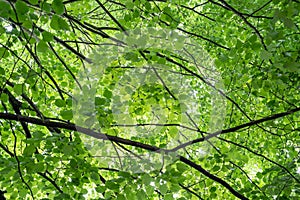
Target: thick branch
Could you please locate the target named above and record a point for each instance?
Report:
(212, 177)
(236, 128)
(73, 127)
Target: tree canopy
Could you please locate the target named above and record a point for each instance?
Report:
(149, 99)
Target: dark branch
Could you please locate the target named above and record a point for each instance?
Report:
(236, 128)
(212, 177)
(73, 127)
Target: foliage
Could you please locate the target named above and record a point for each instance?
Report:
(149, 99)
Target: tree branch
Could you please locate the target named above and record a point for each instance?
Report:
(73, 127)
(212, 177)
(233, 129)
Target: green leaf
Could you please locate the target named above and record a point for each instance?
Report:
(54, 22)
(100, 189)
(99, 101)
(62, 196)
(288, 23)
(141, 194)
(22, 193)
(39, 167)
(58, 7)
(168, 197)
(253, 38)
(131, 55)
(42, 46)
(146, 179)
(66, 114)
(216, 168)
(89, 121)
(181, 167)
(5, 9)
(2, 29)
(46, 7)
(129, 4)
(38, 134)
(239, 44)
(29, 150)
(293, 67)
(34, 2)
(58, 23)
(18, 89)
(21, 7)
(4, 97)
(147, 5)
(213, 189)
(4, 53)
(60, 103)
(67, 150)
(163, 188)
(28, 24)
(107, 93)
(265, 55)
(120, 197)
(111, 185)
(47, 36)
(139, 111)
(213, 195)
